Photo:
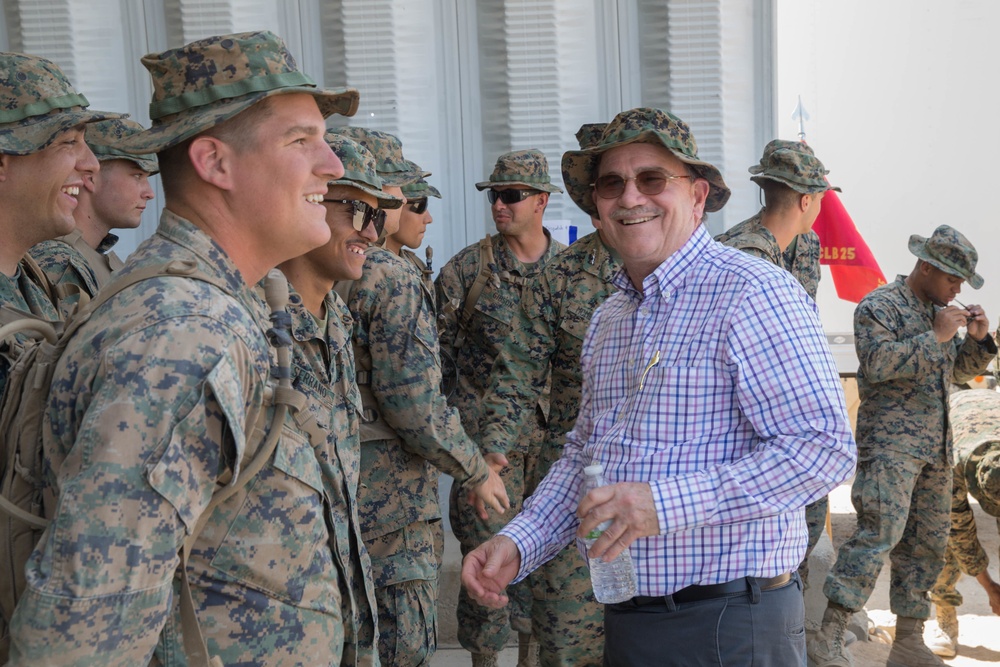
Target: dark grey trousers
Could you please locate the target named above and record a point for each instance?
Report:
(754, 629)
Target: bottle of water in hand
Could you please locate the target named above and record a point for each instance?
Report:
(612, 581)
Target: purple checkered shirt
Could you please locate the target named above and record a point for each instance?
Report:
(718, 389)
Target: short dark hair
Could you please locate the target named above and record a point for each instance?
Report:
(778, 196)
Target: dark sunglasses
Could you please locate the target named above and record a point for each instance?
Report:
(364, 214)
(509, 196)
(418, 206)
(650, 182)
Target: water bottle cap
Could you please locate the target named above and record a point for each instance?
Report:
(594, 470)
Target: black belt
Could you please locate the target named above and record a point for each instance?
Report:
(728, 589)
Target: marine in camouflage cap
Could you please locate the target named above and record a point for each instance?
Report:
(37, 103)
(360, 169)
(201, 84)
(525, 167)
(948, 250)
(641, 125)
(420, 189)
(105, 136)
(392, 167)
(792, 163)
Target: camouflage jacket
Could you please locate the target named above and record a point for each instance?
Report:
(547, 335)
(801, 257)
(154, 405)
(409, 427)
(467, 369)
(68, 260)
(421, 267)
(22, 293)
(323, 370)
(904, 374)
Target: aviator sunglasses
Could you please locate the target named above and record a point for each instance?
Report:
(650, 182)
(418, 206)
(509, 196)
(364, 214)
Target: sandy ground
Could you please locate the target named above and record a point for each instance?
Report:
(979, 629)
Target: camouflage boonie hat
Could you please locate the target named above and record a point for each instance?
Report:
(642, 125)
(201, 84)
(104, 137)
(589, 134)
(792, 163)
(950, 251)
(359, 169)
(420, 190)
(37, 103)
(528, 168)
(392, 167)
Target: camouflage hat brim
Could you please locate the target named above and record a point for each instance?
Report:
(544, 187)
(151, 167)
(385, 200)
(918, 246)
(580, 168)
(37, 132)
(420, 190)
(171, 130)
(402, 175)
(798, 187)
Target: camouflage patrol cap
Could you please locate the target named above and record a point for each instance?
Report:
(37, 103)
(359, 169)
(589, 134)
(950, 251)
(104, 137)
(792, 163)
(392, 167)
(420, 190)
(528, 168)
(642, 125)
(201, 84)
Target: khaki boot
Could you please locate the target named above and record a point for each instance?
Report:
(527, 650)
(942, 640)
(828, 647)
(485, 660)
(909, 649)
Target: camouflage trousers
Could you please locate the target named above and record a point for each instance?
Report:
(903, 506)
(964, 555)
(816, 524)
(481, 629)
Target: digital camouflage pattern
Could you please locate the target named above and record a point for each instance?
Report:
(547, 337)
(975, 417)
(37, 103)
(105, 136)
(323, 370)
(589, 134)
(360, 169)
(392, 167)
(467, 372)
(155, 403)
(203, 83)
(793, 164)
(69, 260)
(420, 189)
(800, 258)
(425, 274)
(642, 125)
(904, 448)
(524, 167)
(24, 294)
(950, 251)
(408, 434)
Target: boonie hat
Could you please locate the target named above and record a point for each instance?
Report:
(37, 103)
(201, 84)
(392, 167)
(104, 137)
(589, 134)
(950, 251)
(420, 189)
(641, 125)
(527, 167)
(359, 169)
(792, 163)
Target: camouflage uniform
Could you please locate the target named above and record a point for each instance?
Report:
(157, 402)
(26, 295)
(794, 165)
(420, 190)
(467, 370)
(547, 333)
(408, 432)
(977, 473)
(904, 441)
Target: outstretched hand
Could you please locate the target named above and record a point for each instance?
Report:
(487, 570)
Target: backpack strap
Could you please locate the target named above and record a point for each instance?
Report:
(39, 277)
(486, 263)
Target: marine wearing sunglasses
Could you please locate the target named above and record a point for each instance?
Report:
(509, 196)
(364, 214)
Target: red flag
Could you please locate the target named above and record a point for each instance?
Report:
(852, 265)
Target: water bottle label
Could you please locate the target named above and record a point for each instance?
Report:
(594, 534)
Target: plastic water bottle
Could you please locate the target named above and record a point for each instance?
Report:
(614, 581)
